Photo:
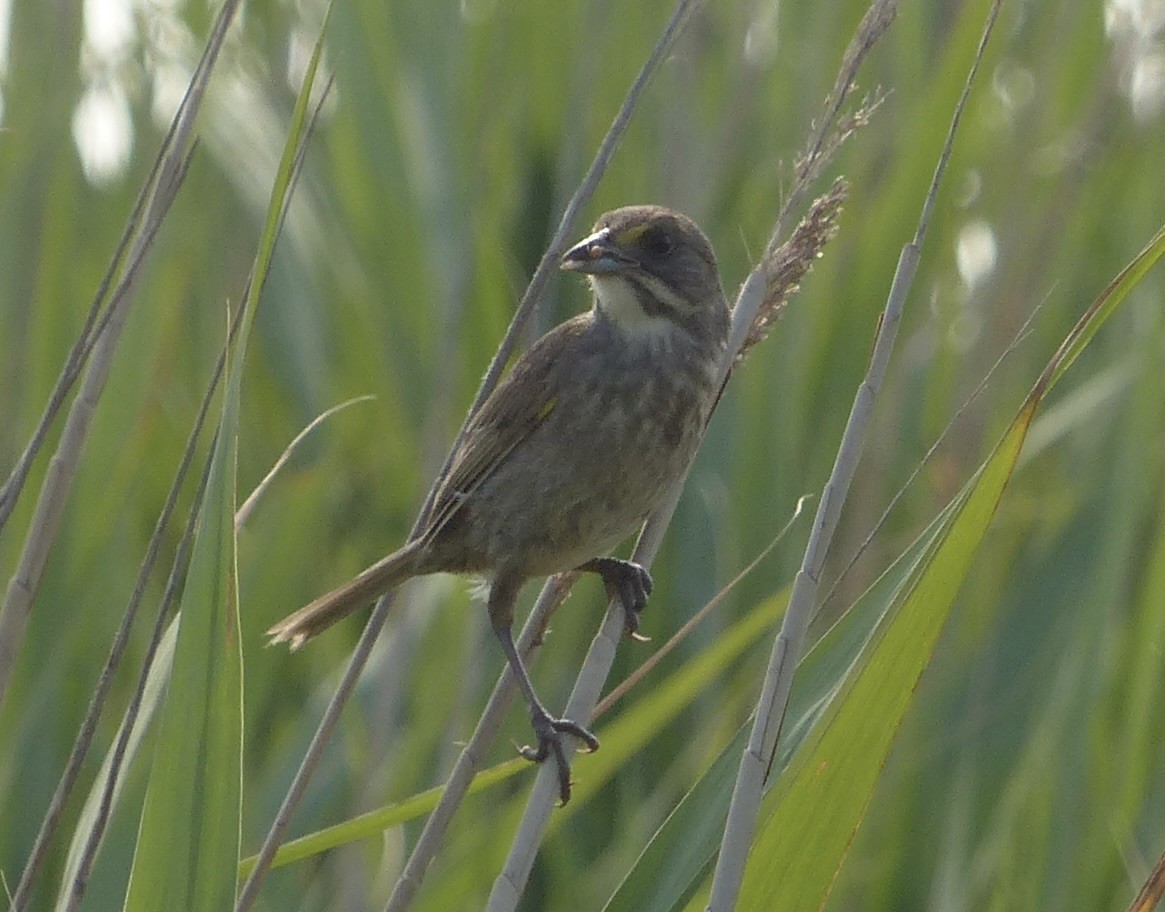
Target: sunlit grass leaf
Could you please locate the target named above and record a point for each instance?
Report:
(622, 739)
(809, 818)
(680, 854)
(190, 831)
(188, 846)
(678, 859)
(807, 822)
(375, 822)
(155, 686)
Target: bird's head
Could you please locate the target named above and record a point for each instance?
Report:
(652, 270)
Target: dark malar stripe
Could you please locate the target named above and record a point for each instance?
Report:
(652, 306)
(689, 319)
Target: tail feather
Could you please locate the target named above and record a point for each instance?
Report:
(385, 574)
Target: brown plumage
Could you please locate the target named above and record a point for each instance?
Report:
(576, 446)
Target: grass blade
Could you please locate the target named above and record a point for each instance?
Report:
(92, 812)
(189, 839)
(188, 846)
(809, 818)
(680, 854)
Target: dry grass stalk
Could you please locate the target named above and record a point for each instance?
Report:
(786, 266)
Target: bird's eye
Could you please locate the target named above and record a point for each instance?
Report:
(657, 243)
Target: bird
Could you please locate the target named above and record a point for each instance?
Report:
(575, 448)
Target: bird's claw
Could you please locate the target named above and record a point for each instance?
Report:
(633, 586)
(550, 743)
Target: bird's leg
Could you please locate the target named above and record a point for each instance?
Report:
(548, 729)
(627, 580)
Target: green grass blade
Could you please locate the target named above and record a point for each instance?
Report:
(375, 822)
(621, 740)
(188, 843)
(679, 856)
(90, 813)
(634, 728)
(1102, 308)
(188, 846)
(809, 819)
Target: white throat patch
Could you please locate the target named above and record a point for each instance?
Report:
(617, 299)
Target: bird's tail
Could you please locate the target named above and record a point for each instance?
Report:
(385, 574)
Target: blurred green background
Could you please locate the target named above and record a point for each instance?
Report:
(1030, 773)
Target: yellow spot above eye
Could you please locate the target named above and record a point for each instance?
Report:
(629, 236)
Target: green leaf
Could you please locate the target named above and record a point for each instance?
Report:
(375, 822)
(678, 859)
(625, 737)
(637, 725)
(808, 821)
(680, 854)
(188, 846)
(90, 813)
(190, 831)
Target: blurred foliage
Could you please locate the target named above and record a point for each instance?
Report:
(1028, 774)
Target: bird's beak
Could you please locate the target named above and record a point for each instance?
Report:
(596, 255)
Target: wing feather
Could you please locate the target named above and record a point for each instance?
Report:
(520, 404)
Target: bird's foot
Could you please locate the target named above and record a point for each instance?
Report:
(550, 733)
(628, 581)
